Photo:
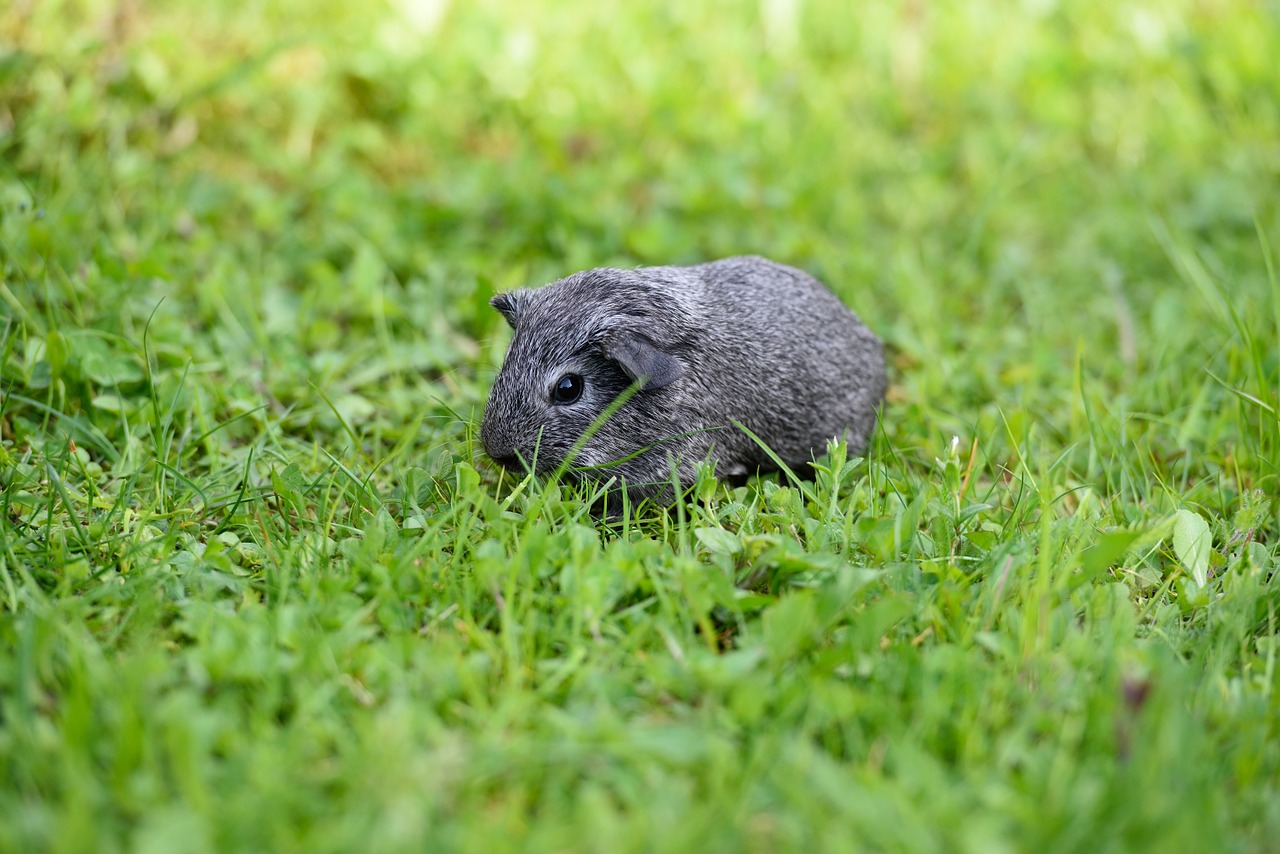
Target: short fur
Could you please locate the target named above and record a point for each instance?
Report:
(741, 339)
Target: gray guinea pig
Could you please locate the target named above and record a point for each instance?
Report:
(741, 339)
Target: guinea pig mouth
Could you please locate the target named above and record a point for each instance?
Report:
(513, 454)
(502, 453)
(510, 462)
(515, 461)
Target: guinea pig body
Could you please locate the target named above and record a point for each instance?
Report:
(742, 339)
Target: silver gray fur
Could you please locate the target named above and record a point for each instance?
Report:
(742, 339)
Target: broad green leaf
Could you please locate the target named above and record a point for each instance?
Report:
(109, 403)
(1103, 554)
(1192, 542)
(719, 541)
(57, 352)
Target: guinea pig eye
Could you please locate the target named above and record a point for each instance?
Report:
(568, 389)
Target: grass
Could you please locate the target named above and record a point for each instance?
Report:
(258, 589)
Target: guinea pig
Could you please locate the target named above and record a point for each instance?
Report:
(742, 340)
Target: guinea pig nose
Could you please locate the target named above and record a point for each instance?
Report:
(501, 453)
(507, 461)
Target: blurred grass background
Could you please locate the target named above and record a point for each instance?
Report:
(250, 556)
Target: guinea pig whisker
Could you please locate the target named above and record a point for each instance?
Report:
(532, 464)
(646, 448)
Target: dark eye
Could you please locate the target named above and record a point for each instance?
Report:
(568, 389)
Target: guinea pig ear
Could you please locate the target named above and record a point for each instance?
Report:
(641, 358)
(510, 305)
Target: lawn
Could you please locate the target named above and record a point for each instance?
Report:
(260, 590)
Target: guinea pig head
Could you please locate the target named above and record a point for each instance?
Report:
(567, 363)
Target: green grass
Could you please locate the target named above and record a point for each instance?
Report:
(258, 589)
